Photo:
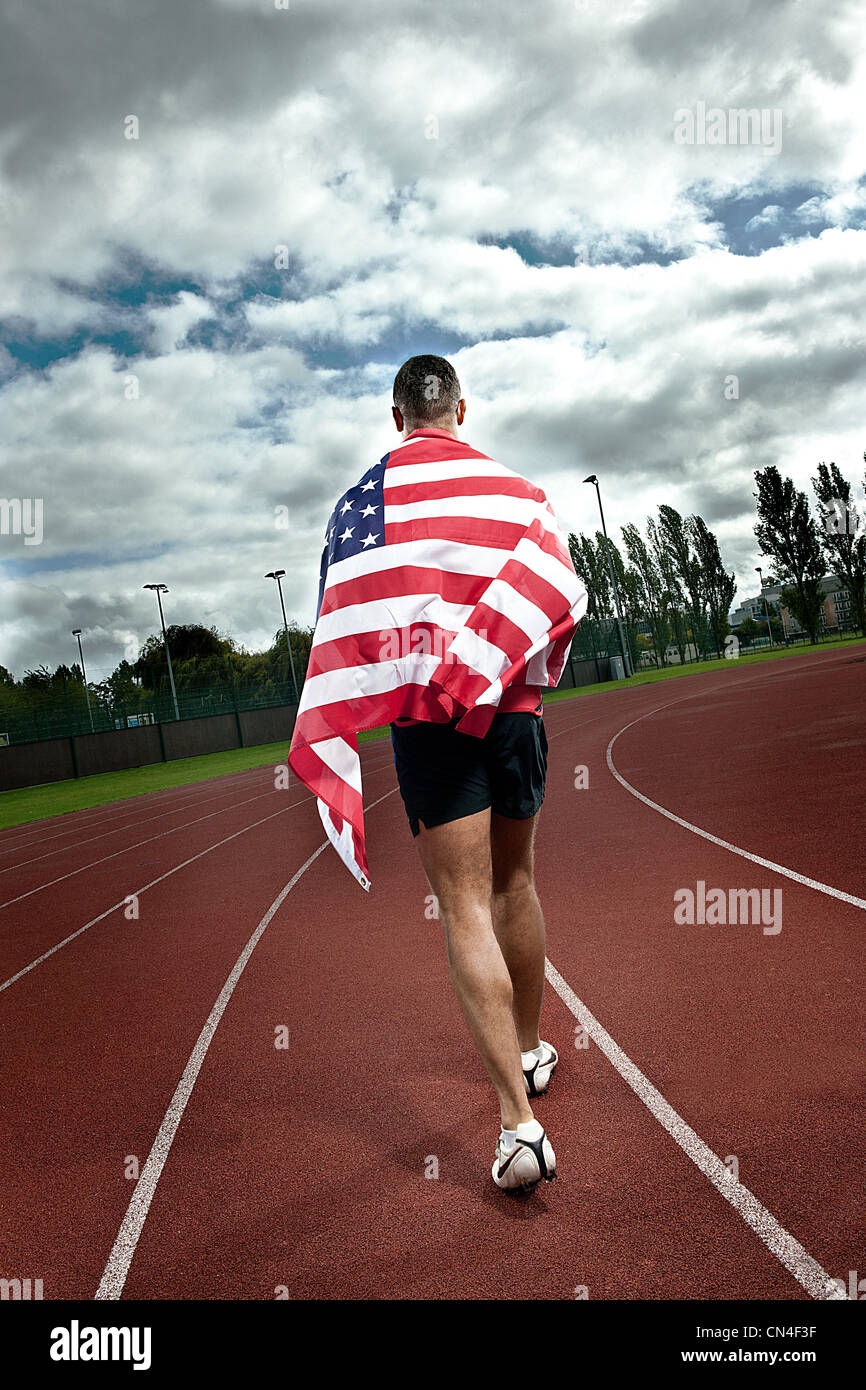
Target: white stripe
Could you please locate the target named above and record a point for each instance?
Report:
(716, 840)
(536, 666)
(342, 759)
(481, 560)
(557, 573)
(116, 1270)
(472, 649)
(404, 444)
(342, 842)
(503, 598)
(489, 506)
(361, 682)
(815, 1280)
(385, 615)
(442, 471)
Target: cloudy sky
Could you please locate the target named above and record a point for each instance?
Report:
(225, 223)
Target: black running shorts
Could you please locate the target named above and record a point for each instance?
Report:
(445, 775)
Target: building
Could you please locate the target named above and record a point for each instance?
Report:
(835, 616)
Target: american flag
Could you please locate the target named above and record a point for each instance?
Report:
(444, 579)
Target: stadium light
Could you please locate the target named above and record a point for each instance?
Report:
(159, 590)
(278, 575)
(626, 659)
(76, 632)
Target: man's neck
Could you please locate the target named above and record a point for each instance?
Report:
(443, 429)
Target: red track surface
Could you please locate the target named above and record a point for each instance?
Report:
(305, 1167)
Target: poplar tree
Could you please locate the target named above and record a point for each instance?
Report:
(787, 531)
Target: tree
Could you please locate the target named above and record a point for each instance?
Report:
(671, 598)
(788, 533)
(748, 631)
(588, 558)
(843, 536)
(676, 539)
(650, 587)
(718, 587)
(628, 586)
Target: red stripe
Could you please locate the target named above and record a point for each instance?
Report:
(471, 530)
(429, 450)
(322, 781)
(493, 627)
(402, 580)
(402, 493)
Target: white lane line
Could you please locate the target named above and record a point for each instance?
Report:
(116, 829)
(123, 1250)
(814, 1279)
(223, 810)
(127, 849)
(715, 839)
(138, 891)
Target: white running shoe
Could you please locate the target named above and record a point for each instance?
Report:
(536, 1078)
(529, 1161)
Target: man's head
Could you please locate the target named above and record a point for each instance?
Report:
(427, 394)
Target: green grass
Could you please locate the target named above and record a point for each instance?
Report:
(58, 798)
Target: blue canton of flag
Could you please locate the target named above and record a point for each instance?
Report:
(357, 523)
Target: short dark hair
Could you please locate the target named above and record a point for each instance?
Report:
(426, 389)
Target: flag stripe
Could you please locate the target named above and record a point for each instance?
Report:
(459, 486)
(464, 530)
(382, 616)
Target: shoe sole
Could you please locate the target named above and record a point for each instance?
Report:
(524, 1186)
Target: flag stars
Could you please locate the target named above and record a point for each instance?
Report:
(346, 507)
(370, 486)
(369, 510)
(347, 533)
(370, 539)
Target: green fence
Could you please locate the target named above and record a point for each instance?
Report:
(65, 714)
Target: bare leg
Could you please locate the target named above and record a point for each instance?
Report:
(457, 861)
(518, 921)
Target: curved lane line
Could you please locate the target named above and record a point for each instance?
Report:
(716, 839)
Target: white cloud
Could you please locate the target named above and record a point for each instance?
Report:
(308, 128)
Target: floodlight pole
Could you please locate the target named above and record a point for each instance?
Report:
(161, 589)
(278, 575)
(626, 657)
(76, 632)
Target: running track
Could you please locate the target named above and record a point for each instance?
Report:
(302, 1168)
